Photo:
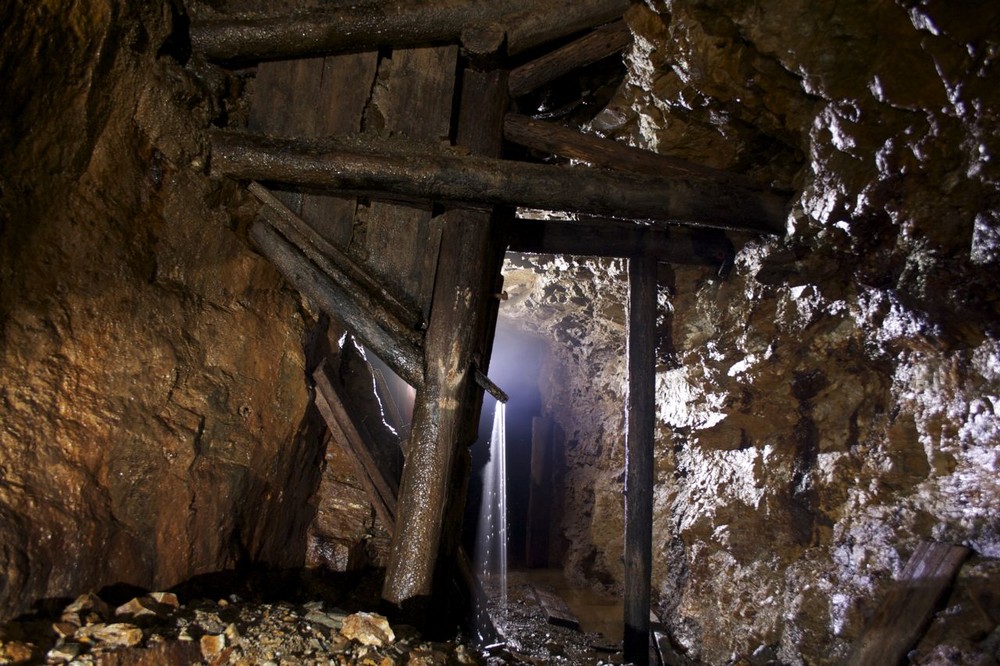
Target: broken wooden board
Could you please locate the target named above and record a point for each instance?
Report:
(909, 604)
(381, 488)
(315, 97)
(556, 610)
(414, 98)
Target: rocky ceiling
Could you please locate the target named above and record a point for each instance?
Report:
(821, 410)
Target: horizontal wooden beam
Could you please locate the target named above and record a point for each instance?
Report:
(614, 238)
(394, 168)
(596, 45)
(399, 354)
(367, 26)
(556, 139)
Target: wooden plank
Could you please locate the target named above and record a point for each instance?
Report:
(388, 312)
(401, 242)
(402, 357)
(312, 98)
(468, 268)
(563, 141)
(556, 610)
(347, 436)
(546, 22)
(615, 238)
(368, 26)
(640, 424)
(391, 167)
(539, 493)
(909, 604)
(596, 45)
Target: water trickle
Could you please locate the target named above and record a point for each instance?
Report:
(491, 544)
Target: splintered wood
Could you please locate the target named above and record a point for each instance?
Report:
(908, 606)
(556, 610)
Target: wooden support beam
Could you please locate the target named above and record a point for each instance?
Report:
(380, 488)
(398, 354)
(640, 424)
(556, 139)
(388, 312)
(597, 45)
(908, 607)
(539, 494)
(368, 26)
(388, 167)
(468, 268)
(614, 238)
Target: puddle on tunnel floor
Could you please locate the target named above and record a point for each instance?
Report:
(598, 612)
(529, 638)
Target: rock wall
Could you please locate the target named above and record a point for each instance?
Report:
(152, 392)
(833, 400)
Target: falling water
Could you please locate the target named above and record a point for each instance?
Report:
(491, 546)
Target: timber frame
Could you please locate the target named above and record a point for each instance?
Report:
(399, 231)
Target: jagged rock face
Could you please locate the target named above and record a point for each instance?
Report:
(152, 393)
(834, 400)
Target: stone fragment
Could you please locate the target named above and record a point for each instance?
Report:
(64, 629)
(212, 644)
(367, 629)
(330, 620)
(118, 634)
(64, 651)
(15, 652)
(139, 607)
(427, 656)
(85, 607)
(166, 598)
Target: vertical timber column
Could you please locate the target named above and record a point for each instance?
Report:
(459, 335)
(639, 429)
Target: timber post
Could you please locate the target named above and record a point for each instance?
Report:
(457, 343)
(639, 437)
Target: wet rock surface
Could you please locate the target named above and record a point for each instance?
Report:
(157, 628)
(833, 400)
(826, 406)
(152, 395)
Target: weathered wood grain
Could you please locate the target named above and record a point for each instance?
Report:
(640, 425)
(379, 487)
(903, 616)
(596, 45)
(396, 168)
(553, 138)
(468, 268)
(616, 238)
(401, 241)
(315, 97)
(404, 359)
(368, 26)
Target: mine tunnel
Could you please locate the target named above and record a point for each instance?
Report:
(268, 270)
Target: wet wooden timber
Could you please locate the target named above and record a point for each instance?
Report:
(908, 606)
(375, 143)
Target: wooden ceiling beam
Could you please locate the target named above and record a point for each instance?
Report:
(396, 168)
(367, 26)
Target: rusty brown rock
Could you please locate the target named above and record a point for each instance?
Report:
(367, 629)
(153, 397)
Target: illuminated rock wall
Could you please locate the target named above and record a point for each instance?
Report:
(833, 401)
(152, 392)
